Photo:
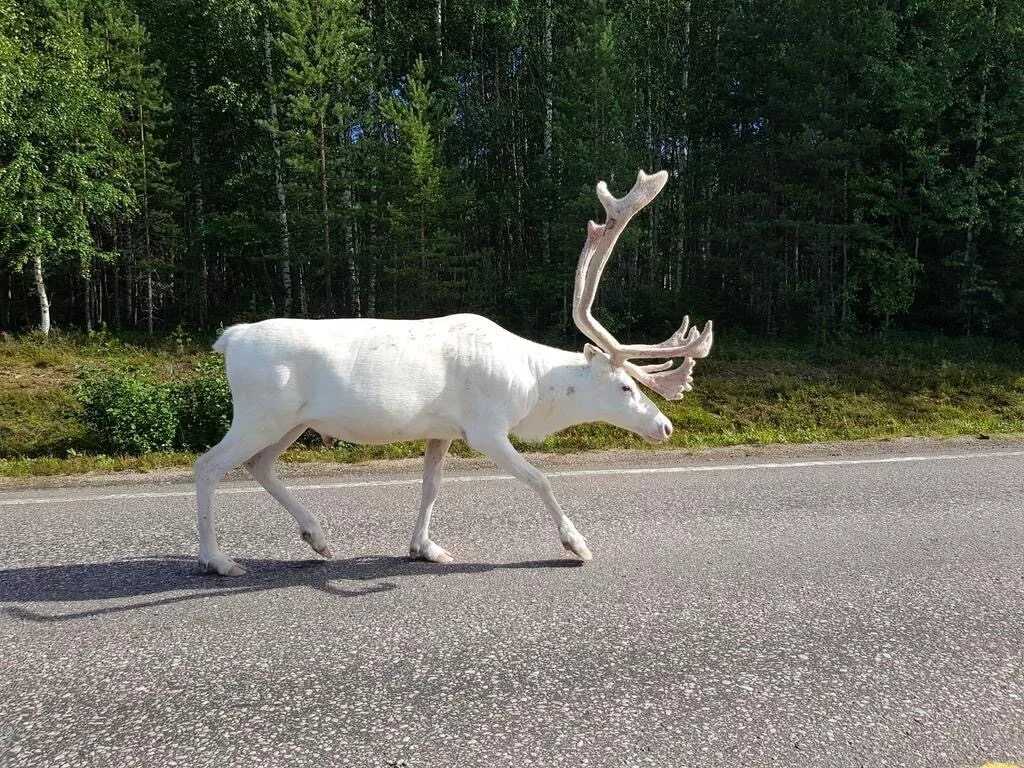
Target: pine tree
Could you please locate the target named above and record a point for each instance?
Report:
(430, 267)
(324, 47)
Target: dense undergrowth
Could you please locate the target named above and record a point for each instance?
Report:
(74, 403)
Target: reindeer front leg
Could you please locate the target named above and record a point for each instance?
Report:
(499, 450)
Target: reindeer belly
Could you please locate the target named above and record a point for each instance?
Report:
(368, 431)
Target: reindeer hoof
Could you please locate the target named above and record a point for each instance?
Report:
(578, 548)
(317, 543)
(222, 566)
(430, 552)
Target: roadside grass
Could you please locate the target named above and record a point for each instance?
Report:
(39, 417)
(749, 392)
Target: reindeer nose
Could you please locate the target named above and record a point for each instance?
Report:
(666, 428)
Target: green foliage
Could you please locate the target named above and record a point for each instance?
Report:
(129, 411)
(126, 411)
(323, 89)
(62, 167)
(416, 115)
(203, 406)
(834, 166)
(887, 277)
(432, 269)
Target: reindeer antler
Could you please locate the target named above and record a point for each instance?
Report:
(686, 342)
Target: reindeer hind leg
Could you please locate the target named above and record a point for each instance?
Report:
(241, 443)
(261, 466)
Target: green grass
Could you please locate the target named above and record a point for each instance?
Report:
(748, 392)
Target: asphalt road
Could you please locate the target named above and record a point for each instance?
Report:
(737, 613)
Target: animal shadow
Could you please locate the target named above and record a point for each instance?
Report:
(169, 579)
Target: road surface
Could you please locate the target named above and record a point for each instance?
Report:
(864, 611)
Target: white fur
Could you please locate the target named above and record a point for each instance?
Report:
(382, 381)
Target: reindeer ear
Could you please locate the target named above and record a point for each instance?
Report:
(590, 352)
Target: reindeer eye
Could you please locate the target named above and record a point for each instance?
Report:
(627, 388)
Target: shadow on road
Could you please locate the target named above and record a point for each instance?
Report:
(126, 579)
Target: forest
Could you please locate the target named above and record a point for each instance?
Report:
(835, 168)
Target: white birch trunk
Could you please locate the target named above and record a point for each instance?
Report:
(87, 301)
(355, 302)
(371, 290)
(438, 23)
(44, 302)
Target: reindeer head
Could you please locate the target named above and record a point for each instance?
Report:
(610, 360)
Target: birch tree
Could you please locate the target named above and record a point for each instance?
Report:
(57, 146)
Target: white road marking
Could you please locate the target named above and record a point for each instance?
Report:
(490, 478)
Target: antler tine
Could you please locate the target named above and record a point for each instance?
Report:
(645, 188)
(696, 344)
(671, 384)
(656, 367)
(679, 336)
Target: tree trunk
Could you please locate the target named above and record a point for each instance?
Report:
(355, 302)
(149, 301)
(99, 294)
(683, 154)
(437, 31)
(979, 132)
(5, 300)
(198, 201)
(303, 301)
(328, 290)
(147, 243)
(371, 289)
(282, 201)
(652, 238)
(845, 312)
(130, 291)
(117, 287)
(548, 127)
(44, 303)
(87, 301)
(86, 272)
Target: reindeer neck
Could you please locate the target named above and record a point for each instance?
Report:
(563, 384)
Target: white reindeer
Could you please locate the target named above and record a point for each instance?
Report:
(382, 381)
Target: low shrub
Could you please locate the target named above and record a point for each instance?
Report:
(125, 411)
(203, 406)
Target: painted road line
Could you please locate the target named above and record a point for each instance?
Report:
(492, 478)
